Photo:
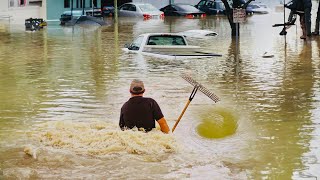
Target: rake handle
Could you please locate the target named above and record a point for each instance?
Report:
(193, 93)
(184, 110)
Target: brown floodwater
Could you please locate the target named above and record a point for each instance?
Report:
(61, 90)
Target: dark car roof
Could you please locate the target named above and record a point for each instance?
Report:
(184, 7)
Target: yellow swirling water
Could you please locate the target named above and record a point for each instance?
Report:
(217, 123)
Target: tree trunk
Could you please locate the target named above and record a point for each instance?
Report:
(229, 13)
(234, 29)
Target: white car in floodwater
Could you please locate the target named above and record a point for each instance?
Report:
(198, 33)
(166, 45)
(258, 8)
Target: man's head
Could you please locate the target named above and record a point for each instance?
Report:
(137, 87)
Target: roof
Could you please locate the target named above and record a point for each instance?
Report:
(169, 34)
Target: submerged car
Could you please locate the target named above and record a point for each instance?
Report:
(165, 45)
(67, 16)
(144, 10)
(95, 12)
(108, 10)
(197, 33)
(186, 10)
(79, 16)
(258, 8)
(211, 7)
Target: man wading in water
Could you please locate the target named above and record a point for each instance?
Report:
(141, 112)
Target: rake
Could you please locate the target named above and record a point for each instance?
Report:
(197, 86)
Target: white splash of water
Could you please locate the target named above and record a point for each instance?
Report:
(99, 138)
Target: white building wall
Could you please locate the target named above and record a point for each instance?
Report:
(11, 11)
(43, 10)
(3, 5)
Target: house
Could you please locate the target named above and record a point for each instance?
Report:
(16, 11)
(56, 7)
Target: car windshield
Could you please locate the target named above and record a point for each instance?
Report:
(185, 7)
(166, 40)
(147, 8)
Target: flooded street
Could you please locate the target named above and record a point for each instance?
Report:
(61, 90)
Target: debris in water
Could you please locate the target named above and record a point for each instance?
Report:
(267, 55)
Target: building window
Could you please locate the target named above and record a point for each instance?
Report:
(66, 3)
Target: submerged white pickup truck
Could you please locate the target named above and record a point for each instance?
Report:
(166, 45)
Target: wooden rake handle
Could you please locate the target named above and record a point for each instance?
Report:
(193, 93)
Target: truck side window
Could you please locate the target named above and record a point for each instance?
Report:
(136, 44)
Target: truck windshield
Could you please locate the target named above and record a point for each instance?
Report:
(166, 40)
(136, 44)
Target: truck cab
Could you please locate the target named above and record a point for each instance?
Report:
(157, 40)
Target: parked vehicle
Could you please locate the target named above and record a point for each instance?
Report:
(198, 33)
(144, 10)
(166, 45)
(186, 10)
(95, 12)
(249, 10)
(259, 8)
(68, 18)
(108, 11)
(211, 7)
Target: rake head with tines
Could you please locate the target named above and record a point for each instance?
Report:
(204, 90)
(197, 86)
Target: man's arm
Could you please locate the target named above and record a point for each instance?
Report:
(163, 125)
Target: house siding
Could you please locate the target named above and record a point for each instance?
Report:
(4, 6)
(56, 7)
(15, 13)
